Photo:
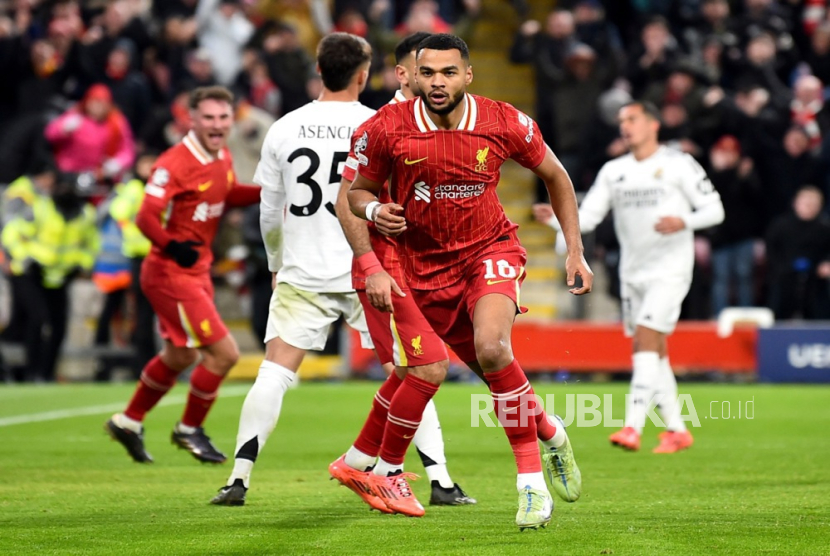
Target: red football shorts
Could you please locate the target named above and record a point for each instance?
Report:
(404, 338)
(184, 305)
(450, 310)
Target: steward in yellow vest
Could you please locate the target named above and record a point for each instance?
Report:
(49, 237)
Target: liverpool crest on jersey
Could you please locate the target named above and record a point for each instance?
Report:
(481, 157)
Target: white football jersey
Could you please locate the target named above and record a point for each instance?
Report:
(668, 183)
(299, 171)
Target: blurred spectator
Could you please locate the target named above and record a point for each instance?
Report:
(290, 67)
(771, 18)
(546, 50)
(174, 8)
(594, 30)
(602, 140)
(49, 238)
(798, 259)
(711, 62)
(250, 126)
(572, 103)
(733, 241)
(818, 56)
(255, 84)
(167, 125)
(309, 19)
(119, 20)
(712, 24)
(807, 109)
(223, 32)
(680, 98)
(760, 67)
(422, 17)
(130, 90)
(93, 136)
(650, 61)
(783, 171)
(198, 71)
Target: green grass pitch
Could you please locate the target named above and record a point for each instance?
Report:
(748, 486)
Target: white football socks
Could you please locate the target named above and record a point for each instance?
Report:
(359, 460)
(259, 415)
(125, 422)
(429, 441)
(644, 378)
(536, 481)
(667, 398)
(384, 468)
(558, 438)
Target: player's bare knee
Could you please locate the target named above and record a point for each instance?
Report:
(493, 352)
(227, 358)
(179, 359)
(434, 373)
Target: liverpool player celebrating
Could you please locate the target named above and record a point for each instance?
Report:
(460, 253)
(300, 173)
(189, 188)
(408, 323)
(659, 196)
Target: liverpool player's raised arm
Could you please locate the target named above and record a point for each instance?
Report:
(563, 200)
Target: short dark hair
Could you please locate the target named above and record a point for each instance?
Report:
(213, 92)
(445, 41)
(649, 108)
(408, 44)
(340, 56)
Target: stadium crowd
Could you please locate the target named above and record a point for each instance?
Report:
(94, 90)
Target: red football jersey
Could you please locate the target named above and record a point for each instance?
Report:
(188, 187)
(446, 181)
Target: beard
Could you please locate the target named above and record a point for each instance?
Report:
(446, 109)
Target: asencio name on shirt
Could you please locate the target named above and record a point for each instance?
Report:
(325, 132)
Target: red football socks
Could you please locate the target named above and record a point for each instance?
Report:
(404, 417)
(516, 410)
(204, 386)
(156, 380)
(371, 435)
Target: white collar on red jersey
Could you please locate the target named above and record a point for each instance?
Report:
(197, 150)
(398, 97)
(468, 119)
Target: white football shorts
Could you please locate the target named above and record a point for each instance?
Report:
(654, 304)
(303, 319)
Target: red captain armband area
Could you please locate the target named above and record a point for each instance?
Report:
(369, 264)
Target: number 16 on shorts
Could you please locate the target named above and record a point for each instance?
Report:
(501, 273)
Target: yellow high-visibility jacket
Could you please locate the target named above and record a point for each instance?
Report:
(123, 209)
(38, 232)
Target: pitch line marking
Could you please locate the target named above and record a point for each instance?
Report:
(229, 392)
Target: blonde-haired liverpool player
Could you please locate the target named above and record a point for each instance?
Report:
(189, 188)
(659, 196)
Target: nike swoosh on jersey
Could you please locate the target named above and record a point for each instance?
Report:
(204, 186)
(408, 435)
(411, 162)
(494, 282)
